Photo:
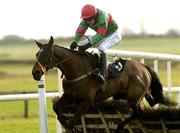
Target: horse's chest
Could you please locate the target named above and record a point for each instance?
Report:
(76, 92)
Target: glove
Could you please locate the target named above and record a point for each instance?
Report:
(73, 45)
(84, 47)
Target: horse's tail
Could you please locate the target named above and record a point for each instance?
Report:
(157, 89)
(156, 86)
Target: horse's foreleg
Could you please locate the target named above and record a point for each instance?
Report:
(136, 112)
(58, 107)
(81, 109)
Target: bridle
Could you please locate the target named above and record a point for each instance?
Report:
(51, 61)
(43, 68)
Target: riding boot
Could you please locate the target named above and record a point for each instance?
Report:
(101, 74)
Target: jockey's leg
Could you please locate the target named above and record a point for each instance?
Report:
(100, 76)
(104, 45)
(103, 67)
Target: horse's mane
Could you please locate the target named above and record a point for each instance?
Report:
(93, 57)
(85, 53)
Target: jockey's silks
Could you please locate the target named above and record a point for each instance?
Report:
(104, 26)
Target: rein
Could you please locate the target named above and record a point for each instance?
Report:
(78, 78)
(81, 77)
(60, 63)
(43, 68)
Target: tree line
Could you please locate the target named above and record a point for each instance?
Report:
(126, 33)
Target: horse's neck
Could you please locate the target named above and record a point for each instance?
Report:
(69, 63)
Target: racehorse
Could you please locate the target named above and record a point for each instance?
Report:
(135, 81)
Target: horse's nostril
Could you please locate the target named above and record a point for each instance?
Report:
(37, 72)
(36, 75)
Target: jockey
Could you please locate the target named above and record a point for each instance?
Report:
(106, 34)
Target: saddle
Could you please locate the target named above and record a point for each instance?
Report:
(114, 68)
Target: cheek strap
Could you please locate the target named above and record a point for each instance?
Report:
(42, 67)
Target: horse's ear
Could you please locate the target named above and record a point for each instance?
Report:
(38, 43)
(51, 41)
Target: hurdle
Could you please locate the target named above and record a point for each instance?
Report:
(42, 104)
(114, 53)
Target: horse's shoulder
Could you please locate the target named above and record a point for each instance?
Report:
(90, 56)
(93, 57)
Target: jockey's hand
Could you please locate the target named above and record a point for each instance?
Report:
(84, 47)
(73, 45)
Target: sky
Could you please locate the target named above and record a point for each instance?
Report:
(38, 19)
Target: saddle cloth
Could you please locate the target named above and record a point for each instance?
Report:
(115, 68)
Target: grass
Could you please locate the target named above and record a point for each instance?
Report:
(18, 78)
(18, 109)
(21, 125)
(12, 121)
(18, 51)
(159, 45)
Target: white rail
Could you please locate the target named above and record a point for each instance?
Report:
(30, 96)
(137, 54)
(144, 55)
(50, 95)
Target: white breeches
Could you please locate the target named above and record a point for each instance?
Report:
(106, 43)
(109, 41)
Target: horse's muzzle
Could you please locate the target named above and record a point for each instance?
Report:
(37, 75)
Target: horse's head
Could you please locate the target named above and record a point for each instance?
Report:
(43, 59)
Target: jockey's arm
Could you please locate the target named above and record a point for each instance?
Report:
(96, 39)
(80, 30)
(101, 31)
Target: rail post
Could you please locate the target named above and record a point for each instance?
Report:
(42, 105)
(25, 107)
(169, 77)
(59, 128)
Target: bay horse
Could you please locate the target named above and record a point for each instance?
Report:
(135, 81)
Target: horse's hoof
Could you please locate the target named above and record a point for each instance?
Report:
(62, 120)
(120, 122)
(68, 130)
(63, 123)
(120, 131)
(70, 123)
(120, 126)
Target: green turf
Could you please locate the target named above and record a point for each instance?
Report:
(21, 125)
(159, 45)
(18, 77)
(12, 121)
